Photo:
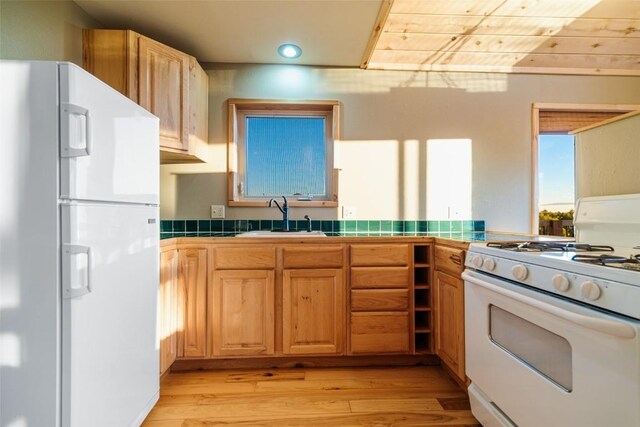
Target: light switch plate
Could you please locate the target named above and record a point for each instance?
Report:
(348, 212)
(217, 211)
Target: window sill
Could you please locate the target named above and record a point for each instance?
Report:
(291, 203)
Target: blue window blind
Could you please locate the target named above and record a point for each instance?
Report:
(285, 155)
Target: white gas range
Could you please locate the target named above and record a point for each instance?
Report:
(553, 328)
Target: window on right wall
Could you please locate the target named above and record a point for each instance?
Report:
(553, 161)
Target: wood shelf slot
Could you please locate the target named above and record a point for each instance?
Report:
(421, 254)
(423, 342)
(421, 275)
(422, 319)
(422, 298)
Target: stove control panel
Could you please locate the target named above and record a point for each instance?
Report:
(607, 294)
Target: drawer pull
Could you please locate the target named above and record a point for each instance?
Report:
(455, 259)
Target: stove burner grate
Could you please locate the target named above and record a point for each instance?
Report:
(631, 263)
(549, 247)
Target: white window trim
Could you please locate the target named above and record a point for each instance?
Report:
(239, 109)
(535, 131)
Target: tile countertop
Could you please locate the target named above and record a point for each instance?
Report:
(469, 237)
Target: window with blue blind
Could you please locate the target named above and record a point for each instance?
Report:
(283, 148)
(285, 155)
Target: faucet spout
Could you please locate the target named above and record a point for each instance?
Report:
(284, 208)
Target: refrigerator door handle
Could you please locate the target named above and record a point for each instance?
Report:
(68, 252)
(67, 149)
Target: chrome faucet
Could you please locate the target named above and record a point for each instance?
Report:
(285, 212)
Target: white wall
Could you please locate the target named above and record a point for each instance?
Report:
(388, 117)
(608, 159)
(43, 30)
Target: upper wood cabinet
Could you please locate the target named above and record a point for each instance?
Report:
(165, 81)
(164, 90)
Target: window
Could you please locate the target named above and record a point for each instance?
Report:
(556, 183)
(553, 160)
(282, 148)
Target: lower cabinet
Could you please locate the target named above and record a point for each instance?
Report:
(384, 332)
(182, 305)
(243, 304)
(449, 321)
(168, 308)
(380, 304)
(313, 311)
(192, 303)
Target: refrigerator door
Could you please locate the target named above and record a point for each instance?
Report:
(109, 145)
(29, 263)
(110, 274)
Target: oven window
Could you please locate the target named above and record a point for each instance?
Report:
(547, 353)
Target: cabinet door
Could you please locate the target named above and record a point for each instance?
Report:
(243, 312)
(192, 286)
(164, 89)
(168, 306)
(449, 321)
(313, 307)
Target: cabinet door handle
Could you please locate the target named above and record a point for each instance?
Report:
(455, 259)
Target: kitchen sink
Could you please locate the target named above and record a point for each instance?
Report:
(268, 233)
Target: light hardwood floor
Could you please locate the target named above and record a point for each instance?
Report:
(387, 396)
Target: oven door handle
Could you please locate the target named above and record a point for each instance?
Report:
(606, 326)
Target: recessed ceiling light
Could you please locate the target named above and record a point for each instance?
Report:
(289, 51)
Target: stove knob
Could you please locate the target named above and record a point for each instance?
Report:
(561, 283)
(519, 271)
(489, 264)
(477, 261)
(590, 290)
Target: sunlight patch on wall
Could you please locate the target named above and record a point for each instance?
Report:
(410, 171)
(449, 172)
(370, 169)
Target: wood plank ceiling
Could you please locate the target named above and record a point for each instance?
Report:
(514, 36)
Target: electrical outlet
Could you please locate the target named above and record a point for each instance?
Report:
(348, 212)
(217, 211)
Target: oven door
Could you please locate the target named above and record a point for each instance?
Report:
(538, 360)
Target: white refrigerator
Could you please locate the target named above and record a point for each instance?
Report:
(79, 257)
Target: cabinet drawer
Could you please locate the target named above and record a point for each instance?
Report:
(380, 300)
(379, 277)
(379, 333)
(374, 255)
(449, 259)
(313, 257)
(244, 258)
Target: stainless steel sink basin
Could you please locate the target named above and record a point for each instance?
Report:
(268, 233)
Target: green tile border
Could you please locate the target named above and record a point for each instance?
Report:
(226, 227)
